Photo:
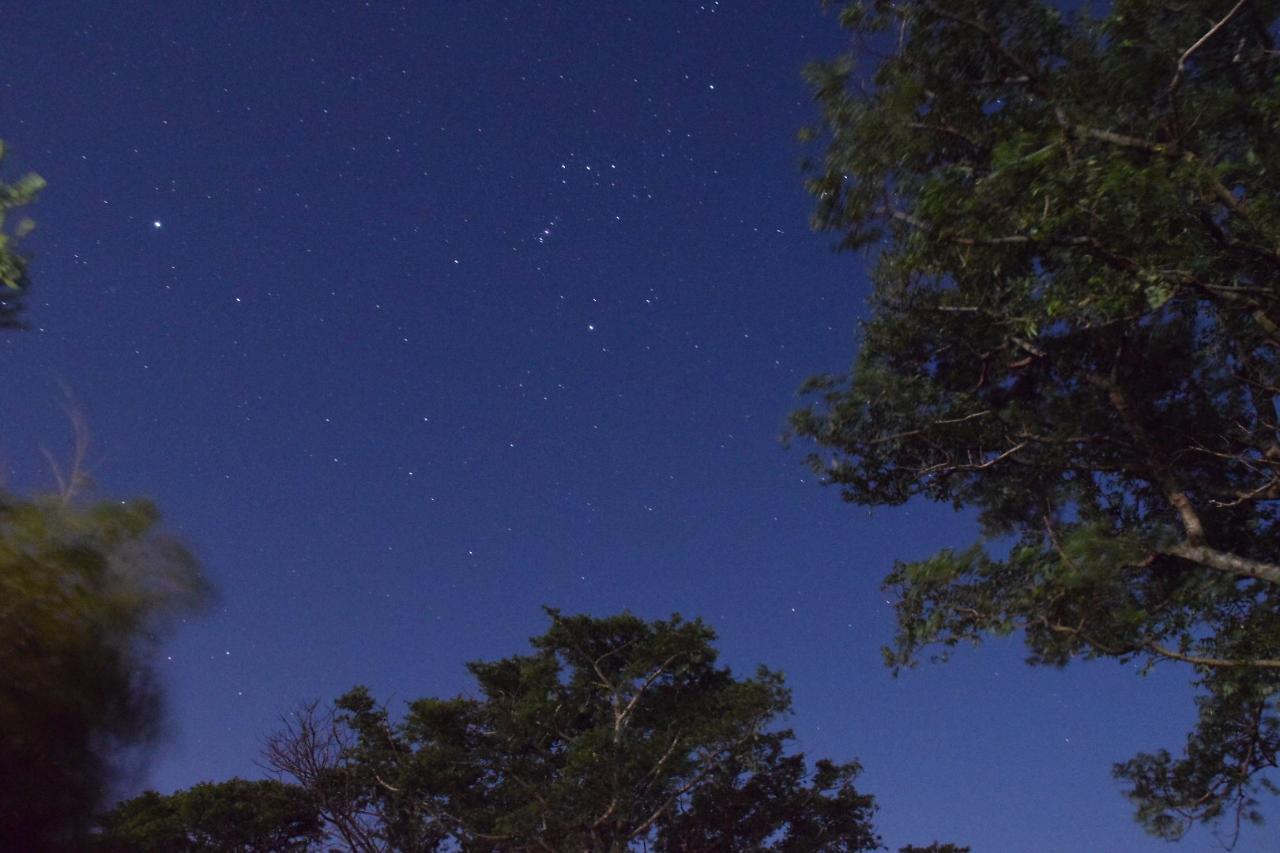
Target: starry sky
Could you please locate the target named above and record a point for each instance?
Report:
(414, 317)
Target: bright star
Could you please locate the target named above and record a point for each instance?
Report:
(157, 224)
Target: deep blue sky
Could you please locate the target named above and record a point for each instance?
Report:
(414, 317)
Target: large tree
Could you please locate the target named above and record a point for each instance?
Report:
(1075, 332)
(612, 734)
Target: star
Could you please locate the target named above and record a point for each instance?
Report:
(157, 224)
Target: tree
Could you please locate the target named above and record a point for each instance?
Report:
(13, 264)
(236, 816)
(613, 733)
(1075, 332)
(313, 748)
(84, 592)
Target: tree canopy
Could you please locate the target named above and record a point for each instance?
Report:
(84, 592)
(1074, 331)
(236, 816)
(612, 734)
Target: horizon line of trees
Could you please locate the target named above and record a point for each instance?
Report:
(611, 734)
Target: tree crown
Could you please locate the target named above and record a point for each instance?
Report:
(1073, 331)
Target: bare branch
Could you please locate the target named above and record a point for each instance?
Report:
(1160, 473)
(75, 478)
(1219, 663)
(620, 719)
(1224, 195)
(952, 467)
(1268, 491)
(1226, 562)
(691, 784)
(309, 748)
(1181, 71)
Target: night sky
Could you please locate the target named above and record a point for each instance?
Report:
(415, 317)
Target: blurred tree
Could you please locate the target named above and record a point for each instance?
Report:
(84, 592)
(612, 735)
(13, 265)
(1074, 331)
(236, 816)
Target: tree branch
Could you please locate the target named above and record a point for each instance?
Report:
(1181, 71)
(1219, 663)
(687, 787)
(1161, 476)
(1225, 562)
(951, 467)
(620, 718)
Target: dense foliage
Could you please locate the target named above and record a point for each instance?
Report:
(236, 816)
(612, 734)
(1074, 331)
(83, 594)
